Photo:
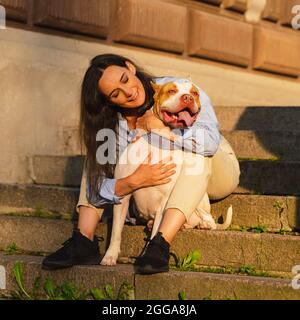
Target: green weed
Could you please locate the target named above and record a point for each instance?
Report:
(182, 295)
(12, 249)
(189, 262)
(250, 271)
(126, 292)
(255, 229)
(21, 293)
(67, 290)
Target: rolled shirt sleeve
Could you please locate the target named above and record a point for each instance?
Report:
(106, 193)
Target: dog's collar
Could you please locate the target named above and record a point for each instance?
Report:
(144, 108)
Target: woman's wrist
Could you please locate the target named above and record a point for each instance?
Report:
(125, 186)
(132, 182)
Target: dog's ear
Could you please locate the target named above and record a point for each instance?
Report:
(156, 87)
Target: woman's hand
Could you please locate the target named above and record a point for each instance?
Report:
(146, 175)
(149, 175)
(149, 122)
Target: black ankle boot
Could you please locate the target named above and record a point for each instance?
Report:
(75, 251)
(155, 257)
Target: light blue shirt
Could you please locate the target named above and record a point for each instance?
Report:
(203, 137)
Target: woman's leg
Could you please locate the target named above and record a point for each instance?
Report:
(220, 177)
(223, 178)
(225, 172)
(189, 189)
(186, 195)
(88, 221)
(82, 247)
(172, 222)
(89, 216)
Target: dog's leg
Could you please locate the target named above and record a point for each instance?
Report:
(113, 251)
(207, 221)
(158, 218)
(201, 218)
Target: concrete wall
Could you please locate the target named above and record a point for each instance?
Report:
(240, 51)
(253, 34)
(40, 84)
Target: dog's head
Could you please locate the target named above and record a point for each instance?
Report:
(176, 103)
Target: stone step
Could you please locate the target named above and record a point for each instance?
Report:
(264, 251)
(196, 285)
(259, 118)
(269, 177)
(280, 145)
(272, 212)
(257, 176)
(52, 198)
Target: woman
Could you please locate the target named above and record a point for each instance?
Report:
(115, 93)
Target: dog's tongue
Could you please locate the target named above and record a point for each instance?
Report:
(186, 117)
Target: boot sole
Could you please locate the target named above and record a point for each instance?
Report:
(62, 266)
(55, 267)
(149, 270)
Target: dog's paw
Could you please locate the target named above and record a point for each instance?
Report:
(109, 260)
(110, 257)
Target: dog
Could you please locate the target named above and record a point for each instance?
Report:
(177, 104)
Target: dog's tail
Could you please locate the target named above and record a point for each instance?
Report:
(227, 221)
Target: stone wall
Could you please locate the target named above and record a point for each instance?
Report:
(41, 69)
(252, 34)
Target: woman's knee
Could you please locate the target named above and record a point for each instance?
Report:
(219, 188)
(90, 213)
(185, 211)
(225, 172)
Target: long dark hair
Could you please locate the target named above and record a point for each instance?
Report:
(97, 113)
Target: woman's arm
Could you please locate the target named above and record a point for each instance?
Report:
(146, 175)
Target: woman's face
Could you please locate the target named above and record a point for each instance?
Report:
(122, 87)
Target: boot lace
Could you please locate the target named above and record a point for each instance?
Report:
(152, 246)
(147, 240)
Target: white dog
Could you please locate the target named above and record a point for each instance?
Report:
(177, 104)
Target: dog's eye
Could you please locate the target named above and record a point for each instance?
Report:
(195, 94)
(172, 91)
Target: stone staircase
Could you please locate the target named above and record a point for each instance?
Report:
(252, 260)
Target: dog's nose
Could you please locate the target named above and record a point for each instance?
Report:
(187, 98)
